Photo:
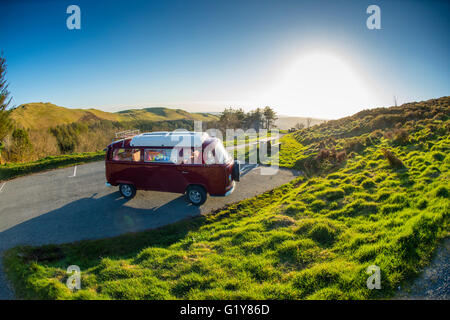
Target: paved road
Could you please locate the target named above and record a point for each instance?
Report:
(58, 207)
(434, 281)
(252, 143)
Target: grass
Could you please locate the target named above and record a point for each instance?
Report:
(313, 238)
(13, 170)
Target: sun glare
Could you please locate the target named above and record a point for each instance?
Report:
(319, 85)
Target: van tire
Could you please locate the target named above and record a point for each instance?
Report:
(196, 195)
(128, 191)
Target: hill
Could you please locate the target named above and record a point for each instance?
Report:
(287, 122)
(45, 115)
(375, 192)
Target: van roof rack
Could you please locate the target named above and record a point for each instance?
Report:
(127, 134)
(169, 139)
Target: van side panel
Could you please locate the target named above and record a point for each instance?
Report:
(168, 177)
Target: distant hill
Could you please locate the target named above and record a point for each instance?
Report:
(286, 122)
(156, 114)
(44, 115)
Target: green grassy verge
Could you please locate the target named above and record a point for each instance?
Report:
(13, 170)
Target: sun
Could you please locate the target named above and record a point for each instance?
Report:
(320, 85)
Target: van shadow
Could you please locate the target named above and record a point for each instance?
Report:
(94, 218)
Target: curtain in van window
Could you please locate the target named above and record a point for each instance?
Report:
(161, 155)
(127, 155)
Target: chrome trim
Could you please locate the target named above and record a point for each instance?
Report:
(230, 191)
(227, 193)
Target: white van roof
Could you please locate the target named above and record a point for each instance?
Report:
(169, 139)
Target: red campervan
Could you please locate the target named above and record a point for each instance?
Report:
(182, 162)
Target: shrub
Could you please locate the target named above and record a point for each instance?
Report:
(400, 137)
(21, 148)
(392, 158)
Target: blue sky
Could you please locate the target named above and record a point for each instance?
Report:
(306, 58)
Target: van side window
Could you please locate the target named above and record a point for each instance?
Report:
(161, 155)
(191, 156)
(127, 155)
(210, 157)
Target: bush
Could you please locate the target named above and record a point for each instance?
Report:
(393, 160)
(400, 137)
(21, 148)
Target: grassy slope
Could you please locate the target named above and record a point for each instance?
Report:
(45, 115)
(312, 238)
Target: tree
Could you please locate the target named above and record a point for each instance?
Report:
(5, 121)
(21, 148)
(269, 117)
(254, 119)
(232, 118)
(299, 126)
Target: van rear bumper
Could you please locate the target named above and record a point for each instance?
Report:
(233, 185)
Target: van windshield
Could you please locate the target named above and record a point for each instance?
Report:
(222, 155)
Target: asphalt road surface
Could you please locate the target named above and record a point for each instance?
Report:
(74, 204)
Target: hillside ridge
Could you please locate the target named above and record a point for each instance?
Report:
(39, 115)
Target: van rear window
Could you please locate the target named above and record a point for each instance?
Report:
(161, 155)
(133, 155)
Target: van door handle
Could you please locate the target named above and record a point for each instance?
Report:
(184, 172)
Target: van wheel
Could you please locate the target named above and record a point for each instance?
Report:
(196, 195)
(128, 191)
